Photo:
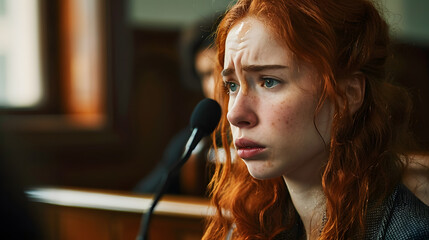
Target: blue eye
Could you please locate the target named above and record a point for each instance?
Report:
(231, 86)
(270, 83)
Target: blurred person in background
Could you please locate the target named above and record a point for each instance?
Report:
(198, 54)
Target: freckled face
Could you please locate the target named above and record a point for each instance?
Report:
(272, 102)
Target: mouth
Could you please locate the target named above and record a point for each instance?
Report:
(248, 149)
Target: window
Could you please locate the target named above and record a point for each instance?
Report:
(36, 37)
(20, 66)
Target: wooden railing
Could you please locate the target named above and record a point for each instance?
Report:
(80, 214)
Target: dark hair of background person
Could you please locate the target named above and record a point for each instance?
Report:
(196, 37)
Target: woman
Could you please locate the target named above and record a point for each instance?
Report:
(321, 132)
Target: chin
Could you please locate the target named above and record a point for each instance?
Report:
(260, 176)
(262, 172)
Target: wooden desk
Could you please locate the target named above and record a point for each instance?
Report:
(80, 214)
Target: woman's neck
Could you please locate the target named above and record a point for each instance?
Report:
(309, 201)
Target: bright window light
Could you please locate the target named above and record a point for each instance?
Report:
(20, 67)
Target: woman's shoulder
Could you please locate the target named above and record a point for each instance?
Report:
(416, 176)
(404, 202)
(404, 216)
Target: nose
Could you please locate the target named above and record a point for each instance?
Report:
(242, 111)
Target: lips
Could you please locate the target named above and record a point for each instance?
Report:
(247, 149)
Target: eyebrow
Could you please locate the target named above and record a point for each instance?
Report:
(252, 68)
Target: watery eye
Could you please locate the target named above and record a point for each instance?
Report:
(231, 86)
(270, 83)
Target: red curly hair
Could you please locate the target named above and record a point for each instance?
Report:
(338, 38)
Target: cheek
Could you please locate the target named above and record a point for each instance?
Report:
(281, 119)
(324, 121)
(285, 117)
(277, 113)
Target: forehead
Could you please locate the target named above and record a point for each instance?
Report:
(250, 41)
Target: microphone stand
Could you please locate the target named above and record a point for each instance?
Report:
(195, 137)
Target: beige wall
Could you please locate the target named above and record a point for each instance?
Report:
(408, 18)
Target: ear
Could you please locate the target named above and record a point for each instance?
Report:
(354, 89)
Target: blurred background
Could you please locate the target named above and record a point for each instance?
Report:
(91, 90)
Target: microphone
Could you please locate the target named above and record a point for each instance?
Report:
(204, 119)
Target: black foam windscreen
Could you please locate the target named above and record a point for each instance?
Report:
(206, 116)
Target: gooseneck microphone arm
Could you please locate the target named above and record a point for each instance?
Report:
(204, 120)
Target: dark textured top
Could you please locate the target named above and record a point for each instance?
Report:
(402, 216)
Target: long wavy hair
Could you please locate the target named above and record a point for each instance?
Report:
(338, 38)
